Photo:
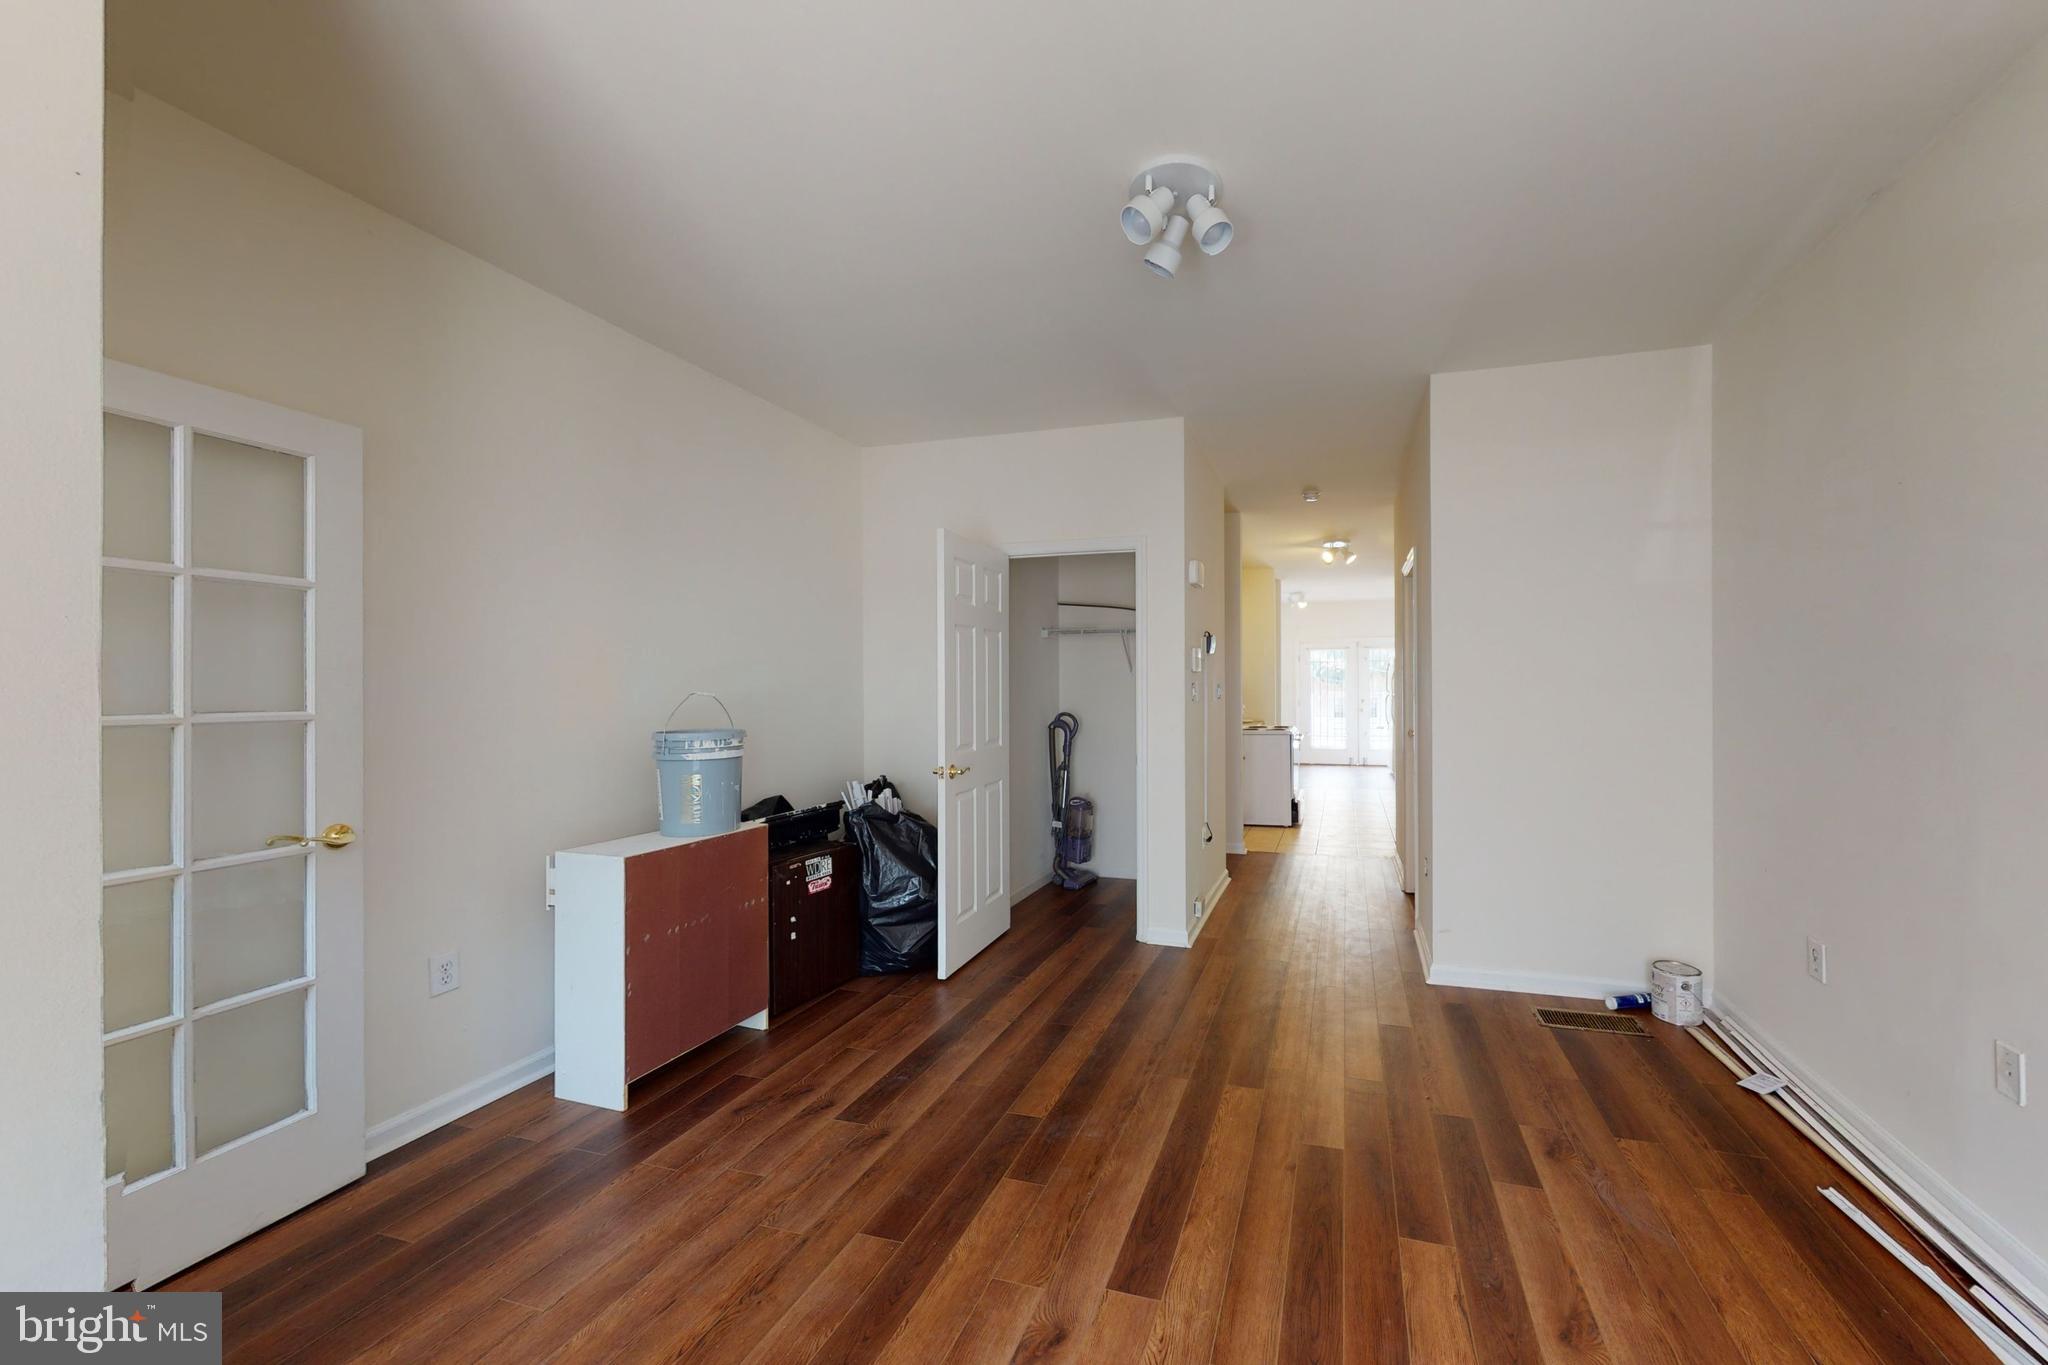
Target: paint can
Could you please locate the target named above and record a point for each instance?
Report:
(1675, 992)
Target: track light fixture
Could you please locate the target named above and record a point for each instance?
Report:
(1171, 200)
(1300, 599)
(1334, 548)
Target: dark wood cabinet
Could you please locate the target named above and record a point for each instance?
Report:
(694, 964)
(813, 922)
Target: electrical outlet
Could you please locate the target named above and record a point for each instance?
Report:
(444, 973)
(1198, 909)
(1817, 960)
(2011, 1077)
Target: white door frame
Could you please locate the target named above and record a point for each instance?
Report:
(199, 1202)
(1135, 547)
(1408, 748)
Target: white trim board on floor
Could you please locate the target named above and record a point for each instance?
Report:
(423, 1119)
(1997, 1248)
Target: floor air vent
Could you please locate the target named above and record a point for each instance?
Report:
(1592, 1023)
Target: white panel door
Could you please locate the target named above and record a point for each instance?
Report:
(231, 692)
(974, 749)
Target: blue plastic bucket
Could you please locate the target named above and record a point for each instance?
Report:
(697, 776)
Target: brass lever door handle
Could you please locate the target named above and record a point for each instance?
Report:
(334, 836)
(950, 771)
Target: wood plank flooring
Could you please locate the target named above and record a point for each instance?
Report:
(1277, 1145)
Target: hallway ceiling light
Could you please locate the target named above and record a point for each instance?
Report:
(1311, 494)
(1152, 220)
(1300, 599)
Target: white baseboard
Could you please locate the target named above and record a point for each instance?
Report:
(1017, 894)
(1998, 1249)
(1522, 983)
(422, 1119)
(1209, 904)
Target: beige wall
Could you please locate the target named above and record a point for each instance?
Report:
(1412, 636)
(1881, 561)
(52, 1211)
(566, 530)
(1208, 769)
(1261, 609)
(1571, 671)
(1013, 491)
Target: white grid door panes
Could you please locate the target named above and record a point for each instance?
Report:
(208, 745)
(231, 680)
(1328, 709)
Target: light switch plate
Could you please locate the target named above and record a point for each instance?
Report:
(2011, 1073)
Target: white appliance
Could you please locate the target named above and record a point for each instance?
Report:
(1269, 774)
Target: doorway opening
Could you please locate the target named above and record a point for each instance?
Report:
(1346, 706)
(1074, 654)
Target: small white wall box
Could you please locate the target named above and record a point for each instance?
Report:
(1197, 575)
(660, 945)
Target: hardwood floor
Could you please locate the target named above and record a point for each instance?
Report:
(1278, 1144)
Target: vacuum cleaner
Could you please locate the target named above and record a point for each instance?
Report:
(1073, 817)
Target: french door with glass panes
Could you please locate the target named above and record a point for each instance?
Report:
(1346, 703)
(231, 774)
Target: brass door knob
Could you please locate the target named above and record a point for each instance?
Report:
(950, 771)
(334, 836)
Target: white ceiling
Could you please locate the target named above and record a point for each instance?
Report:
(898, 217)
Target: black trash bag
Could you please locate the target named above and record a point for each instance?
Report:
(767, 806)
(899, 890)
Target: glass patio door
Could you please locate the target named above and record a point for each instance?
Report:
(231, 775)
(1329, 704)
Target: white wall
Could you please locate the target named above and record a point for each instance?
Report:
(1324, 623)
(1100, 688)
(1881, 561)
(1572, 785)
(566, 530)
(1034, 700)
(52, 1211)
(1032, 488)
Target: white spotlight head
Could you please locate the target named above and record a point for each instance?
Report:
(1164, 256)
(1351, 558)
(1211, 224)
(1329, 555)
(1146, 214)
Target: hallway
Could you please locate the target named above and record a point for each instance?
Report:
(1345, 812)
